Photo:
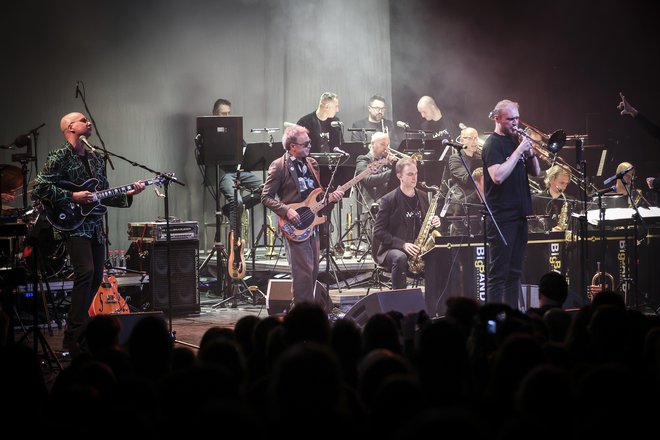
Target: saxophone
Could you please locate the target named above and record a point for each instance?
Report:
(562, 221)
(426, 238)
(270, 252)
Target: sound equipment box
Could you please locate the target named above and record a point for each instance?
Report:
(278, 297)
(401, 300)
(151, 257)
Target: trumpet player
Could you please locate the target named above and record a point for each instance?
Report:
(507, 162)
(374, 186)
(550, 202)
(462, 191)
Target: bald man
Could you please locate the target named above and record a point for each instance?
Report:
(85, 244)
(433, 119)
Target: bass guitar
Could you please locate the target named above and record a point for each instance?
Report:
(107, 300)
(70, 215)
(309, 208)
(236, 259)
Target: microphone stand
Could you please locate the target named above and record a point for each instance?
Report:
(328, 224)
(168, 178)
(106, 158)
(637, 219)
(490, 214)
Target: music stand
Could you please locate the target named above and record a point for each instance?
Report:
(219, 141)
(258, 157)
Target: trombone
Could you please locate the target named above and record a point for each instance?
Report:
(548, 150)
(399, 155)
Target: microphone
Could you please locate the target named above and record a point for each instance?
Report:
(84, 140)
(618, 175)
(336, 124)
(264, 130)
(403, 125)
(453, 144)
(462, 126)
(77, 89)
(340, 151)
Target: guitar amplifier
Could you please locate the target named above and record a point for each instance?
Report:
(157, 231)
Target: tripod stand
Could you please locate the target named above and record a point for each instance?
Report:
(38, 337)
(218, 247)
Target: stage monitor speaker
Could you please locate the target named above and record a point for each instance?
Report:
(151, 257)
(128, 321)
(278, 297)
(401, 300)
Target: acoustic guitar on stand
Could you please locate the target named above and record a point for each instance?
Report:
(107, 300)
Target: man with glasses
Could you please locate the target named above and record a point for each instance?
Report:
(507, 161)
(86, 244)
(375, 121)
(291, 179)
(462, 191)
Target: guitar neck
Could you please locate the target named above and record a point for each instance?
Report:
(348, 185)
(111, 192)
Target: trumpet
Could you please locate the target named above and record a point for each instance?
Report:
(601, 281)
(399, 155)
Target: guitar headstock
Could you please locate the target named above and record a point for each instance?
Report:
(161, 178)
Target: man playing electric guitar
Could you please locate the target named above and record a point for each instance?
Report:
(85, 244)
(291, 179)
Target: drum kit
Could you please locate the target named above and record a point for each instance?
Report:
(15, 249)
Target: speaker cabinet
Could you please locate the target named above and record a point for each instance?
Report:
(278, 297)
(151, 257)
(401, 300)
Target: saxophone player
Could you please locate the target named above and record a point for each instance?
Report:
(550, 203)
(399, 221)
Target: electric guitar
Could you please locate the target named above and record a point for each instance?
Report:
(107, 300)
(309, 208)
(70, 215)
(236, 260)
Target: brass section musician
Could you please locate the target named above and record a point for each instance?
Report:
(549, 204)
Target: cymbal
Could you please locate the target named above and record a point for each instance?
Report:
(12, 177)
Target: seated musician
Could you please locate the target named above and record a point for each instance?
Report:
(374, 186)
(548, 204)
(619, 197)
(399, 222)
(462, 192)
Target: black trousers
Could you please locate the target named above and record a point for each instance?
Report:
(87, 259)
(506, 262)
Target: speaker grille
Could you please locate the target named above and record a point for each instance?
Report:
(183, 263)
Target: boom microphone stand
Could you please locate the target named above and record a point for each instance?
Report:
(483, 199)
(167, 179)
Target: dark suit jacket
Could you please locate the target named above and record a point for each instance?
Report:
(390, 224)
(281, 186)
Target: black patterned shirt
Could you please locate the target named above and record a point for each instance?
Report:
(64, 165)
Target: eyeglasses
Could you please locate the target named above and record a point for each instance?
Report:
(378, 109)
(304, 145)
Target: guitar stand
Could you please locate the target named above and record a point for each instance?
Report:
(239, 291)
(331, 263)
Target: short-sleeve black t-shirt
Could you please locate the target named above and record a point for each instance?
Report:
(511, 200)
